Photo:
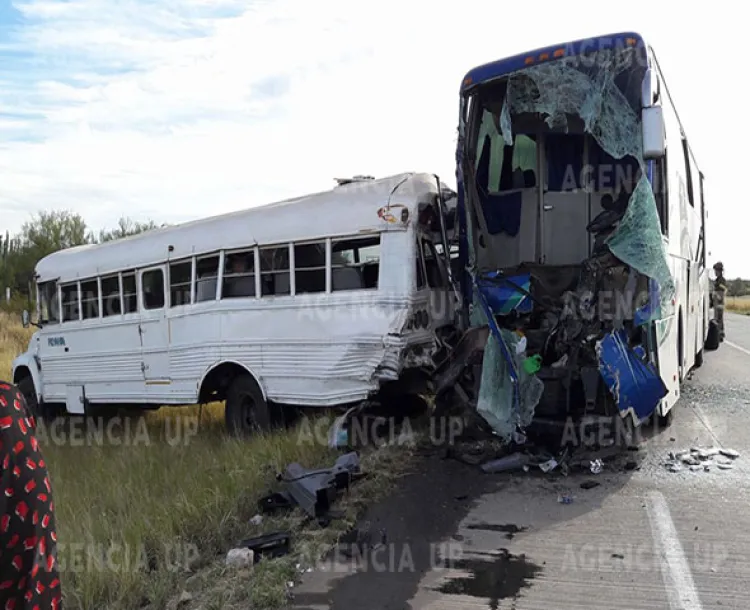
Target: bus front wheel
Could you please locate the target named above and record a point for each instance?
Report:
(246, 412)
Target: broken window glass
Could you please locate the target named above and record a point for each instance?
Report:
(602, 91)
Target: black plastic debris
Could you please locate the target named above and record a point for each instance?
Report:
(275, 501)
(269, 546)
(314, 491)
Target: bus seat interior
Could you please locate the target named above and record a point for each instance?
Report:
(345, 278)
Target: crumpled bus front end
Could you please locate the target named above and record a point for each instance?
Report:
(562, 242)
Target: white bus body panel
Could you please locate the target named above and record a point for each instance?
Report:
(317, 349)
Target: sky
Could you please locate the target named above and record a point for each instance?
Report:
(173, 110)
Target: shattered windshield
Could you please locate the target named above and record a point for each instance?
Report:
(598, 94)
(586, 112)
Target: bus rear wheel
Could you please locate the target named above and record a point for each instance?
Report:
(246, 412)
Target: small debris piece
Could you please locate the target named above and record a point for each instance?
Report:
(589, 484)
(690, 460)
(618, 556)
(696, 467)
(726, 466)
(707, 454)
(241, 558)
(256, 520)
(730, 453)
(596, 466)
(460, 498)
(549, 465)
(513, 461)
(631, 465)
(675, 467)
(564, 499)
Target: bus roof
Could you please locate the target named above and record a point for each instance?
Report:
(503, 67)
(343, 210)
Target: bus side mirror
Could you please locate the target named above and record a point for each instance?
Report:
(654, 133)
(25, 318)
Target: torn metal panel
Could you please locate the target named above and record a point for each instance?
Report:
(508, 395)
(634, 384)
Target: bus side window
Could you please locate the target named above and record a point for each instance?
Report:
(129, 294)
(239, 275)
(310, 267)
(355, 263)
(110, 296)
(179, 283)
(152, 286)
(90, 299)
(69, 302)
(275, 276)
(48, 303)
(206, 276)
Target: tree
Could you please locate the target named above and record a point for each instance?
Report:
(48, 232)
(125, 228)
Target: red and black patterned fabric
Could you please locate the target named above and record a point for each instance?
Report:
(29, 577)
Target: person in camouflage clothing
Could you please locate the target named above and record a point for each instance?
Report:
(719, 295)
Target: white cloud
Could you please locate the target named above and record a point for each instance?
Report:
(187, 108)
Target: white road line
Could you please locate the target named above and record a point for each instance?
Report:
(675, 571)
(706, 423)
(737, 347)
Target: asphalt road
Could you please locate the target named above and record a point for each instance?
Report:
(644, 538)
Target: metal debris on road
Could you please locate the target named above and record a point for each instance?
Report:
(701, 458)
(549, 465)
(730, 453)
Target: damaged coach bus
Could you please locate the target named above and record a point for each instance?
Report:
(582, 242)
(323, 300)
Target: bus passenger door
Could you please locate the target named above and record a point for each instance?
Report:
(565, 203)
(153, 329)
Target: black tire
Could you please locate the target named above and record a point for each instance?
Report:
(713, 338)
(246, 412)
(26, 387)
(664, 421)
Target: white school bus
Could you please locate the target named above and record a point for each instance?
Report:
(322, 300)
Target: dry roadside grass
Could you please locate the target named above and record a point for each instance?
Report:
(147, 506)
(739, 304)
